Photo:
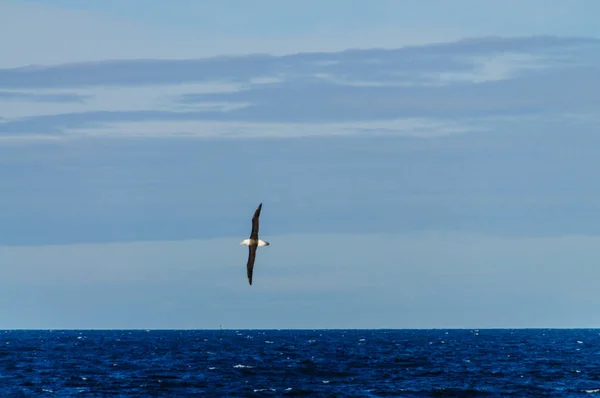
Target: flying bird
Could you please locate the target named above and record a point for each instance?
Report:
(253, 243)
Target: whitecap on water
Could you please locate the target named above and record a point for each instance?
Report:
(242, 366)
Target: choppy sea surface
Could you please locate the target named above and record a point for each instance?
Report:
(320, 363)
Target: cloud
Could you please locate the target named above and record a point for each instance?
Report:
(27, 103)
(494, 68)
(379, 64)
(443, 84)
(408, 127)
(23, 96)
(483, 153)
(110, 30)
(322, 102)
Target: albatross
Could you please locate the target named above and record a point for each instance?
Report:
(253, 243)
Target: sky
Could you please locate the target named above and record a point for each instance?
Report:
(419, 166)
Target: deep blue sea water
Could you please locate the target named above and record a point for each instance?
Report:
(320, 363)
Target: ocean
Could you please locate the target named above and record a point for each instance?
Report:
(315, 363)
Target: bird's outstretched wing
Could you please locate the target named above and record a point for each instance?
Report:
(254, 234)
(250, 265)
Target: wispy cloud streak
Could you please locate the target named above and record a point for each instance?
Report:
(442, 84)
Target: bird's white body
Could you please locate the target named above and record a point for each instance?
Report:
(249, 242)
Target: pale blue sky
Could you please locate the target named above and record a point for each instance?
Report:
(419, 165)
